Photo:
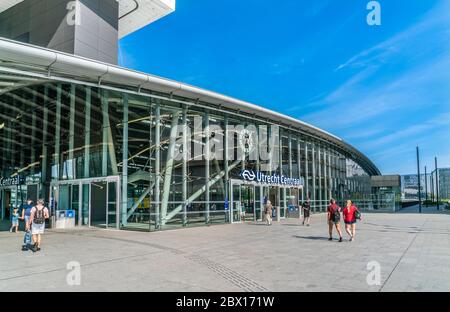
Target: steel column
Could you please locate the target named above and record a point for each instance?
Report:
(70, 160)
(87, 132)
(306, 170)
(57, 153)
(158, 165)
(207, 174)
(124, 196)
(184, 169)
(169, 166)
(44, 145)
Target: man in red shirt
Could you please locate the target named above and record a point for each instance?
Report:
(334, 219)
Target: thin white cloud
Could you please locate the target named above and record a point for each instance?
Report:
(438, 16)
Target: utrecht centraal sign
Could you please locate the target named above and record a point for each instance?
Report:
(12, 181)
(271, 179)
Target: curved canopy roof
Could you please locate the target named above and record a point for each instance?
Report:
(20, 60)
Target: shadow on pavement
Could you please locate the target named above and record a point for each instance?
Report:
(312, 237)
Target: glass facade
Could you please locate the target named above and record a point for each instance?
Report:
(121, 159)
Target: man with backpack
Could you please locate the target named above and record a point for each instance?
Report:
(39, 214)
(334, 219)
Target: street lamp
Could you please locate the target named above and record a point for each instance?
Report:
(418, 175)
(437, 182)
(426, 188)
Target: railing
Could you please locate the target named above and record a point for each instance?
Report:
(195, 215)
(376, 203)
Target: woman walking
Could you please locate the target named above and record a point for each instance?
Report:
(334, 219)
(306, 212)
(350, 215)
(268, 209)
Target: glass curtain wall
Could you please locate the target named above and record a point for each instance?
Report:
(81, 135)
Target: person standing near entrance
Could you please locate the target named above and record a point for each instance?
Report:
(39, 214)
(334, 219)
(306, 211)
(14, 220)
(268, 209)
(351, 213)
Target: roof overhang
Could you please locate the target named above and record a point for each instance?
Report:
(133, 14)
(20, 59)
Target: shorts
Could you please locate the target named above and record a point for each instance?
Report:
(37, 229)
(350, 222)
(306, 213)
(331, 222)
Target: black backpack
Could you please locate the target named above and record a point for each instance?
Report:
(39, 216)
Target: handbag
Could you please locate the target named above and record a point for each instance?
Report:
(336, 216)
(357, 215)
(27, 238)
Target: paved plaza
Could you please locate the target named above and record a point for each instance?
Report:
(413, 252)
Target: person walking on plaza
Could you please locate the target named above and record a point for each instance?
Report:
(334, 219)
(39, 214)
(14, 220)
(351, 214)
(306, 212)
(268, 208)
(26, 211)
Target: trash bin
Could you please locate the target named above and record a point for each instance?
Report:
(65, 219)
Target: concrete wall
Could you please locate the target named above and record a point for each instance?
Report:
(45, 23)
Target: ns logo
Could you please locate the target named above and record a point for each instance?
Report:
(248, 175)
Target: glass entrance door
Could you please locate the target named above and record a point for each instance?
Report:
(294, 199)
(244, 203)
(274, 198)
(235, 203)
(113, 204)
(7, 200)
(95, 201)
(104, 204)
(99, 207)
(248, 202)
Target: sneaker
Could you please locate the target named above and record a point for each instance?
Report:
(330, 239)
(340, 240)
(351, 239)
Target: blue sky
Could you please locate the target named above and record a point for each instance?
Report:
(384, 89)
